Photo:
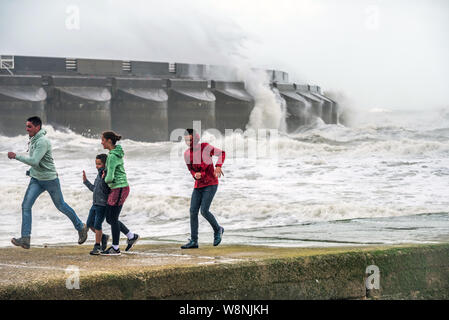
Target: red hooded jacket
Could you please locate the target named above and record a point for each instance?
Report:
(199, 159)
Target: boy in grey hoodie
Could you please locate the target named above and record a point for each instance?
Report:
(98, 210)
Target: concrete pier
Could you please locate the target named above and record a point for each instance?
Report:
(90, 96)
(298, 108)
(188, 101)
(140, 109)
(317, 103)
(335, 112)
(233, 105)
(82, 104)
(164, 271)
(328, 104)
(191, 71)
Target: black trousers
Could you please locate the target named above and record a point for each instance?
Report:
(112, 213)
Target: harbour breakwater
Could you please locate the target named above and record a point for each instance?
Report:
(144, 100)
(228, 272)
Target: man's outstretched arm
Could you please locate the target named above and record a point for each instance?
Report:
(38, 154)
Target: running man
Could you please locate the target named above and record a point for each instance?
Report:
(43, 178)
(198, 158)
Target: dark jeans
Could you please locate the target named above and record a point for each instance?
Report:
(115, 203)
(96, 217)
(34, 190)
(112, 213)
(202, 199)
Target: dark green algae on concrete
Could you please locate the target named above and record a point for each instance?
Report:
(227, 272)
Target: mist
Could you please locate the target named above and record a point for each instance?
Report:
(380, 54)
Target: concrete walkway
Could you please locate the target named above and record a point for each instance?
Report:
(43, 272)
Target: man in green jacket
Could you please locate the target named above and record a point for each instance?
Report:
(43, 178)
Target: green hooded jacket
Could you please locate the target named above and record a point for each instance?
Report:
(41, 158)
(115, 176)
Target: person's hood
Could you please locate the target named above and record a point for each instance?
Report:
(196, 141)
(117, 151)
(42, 132)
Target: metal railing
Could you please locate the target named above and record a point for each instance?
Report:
(126, 65)
(172, 67)
(71, 64)
(7, 63)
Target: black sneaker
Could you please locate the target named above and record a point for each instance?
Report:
(23, 242)
(190, 245)
(104, 241)
(83, 234)
(96, 250)
(132, 242)
(217, 236)
(111, 252)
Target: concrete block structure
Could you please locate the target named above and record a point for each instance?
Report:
(82, 104)
(20, 98)
(233, 105)
(139, 109)
(190, 101)
(142, 100)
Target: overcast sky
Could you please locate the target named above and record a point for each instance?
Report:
(382, 54)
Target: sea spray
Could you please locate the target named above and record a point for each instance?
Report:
(268, 111)
(283, 106)
(323, 173)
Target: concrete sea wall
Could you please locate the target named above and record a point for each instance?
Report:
(142, 100)
(237, 272)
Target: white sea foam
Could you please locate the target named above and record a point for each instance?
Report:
(320, 173)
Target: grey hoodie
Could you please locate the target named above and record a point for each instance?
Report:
(99, 188)
(41, 158)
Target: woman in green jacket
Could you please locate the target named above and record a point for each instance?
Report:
(116, 180)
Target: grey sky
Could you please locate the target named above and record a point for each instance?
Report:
(383, 54)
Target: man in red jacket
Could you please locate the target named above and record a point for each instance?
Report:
(198, 158)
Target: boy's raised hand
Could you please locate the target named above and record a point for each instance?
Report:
(84, 176)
